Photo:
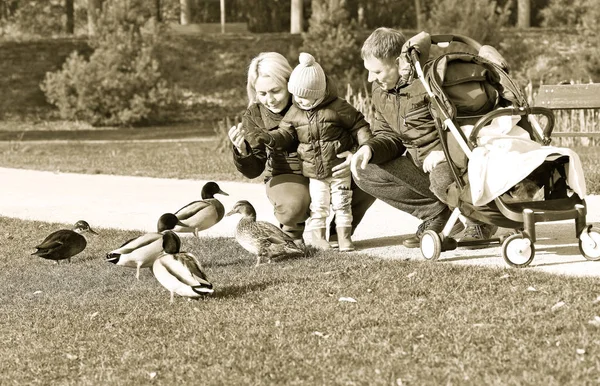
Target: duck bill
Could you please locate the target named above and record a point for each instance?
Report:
(222, 192)
(92, 231)
(233, 211)
(113, 257)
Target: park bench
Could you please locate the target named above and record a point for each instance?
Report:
(570, 97)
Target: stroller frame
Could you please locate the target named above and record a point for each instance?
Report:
(518, 249)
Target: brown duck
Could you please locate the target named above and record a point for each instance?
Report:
(262, 238)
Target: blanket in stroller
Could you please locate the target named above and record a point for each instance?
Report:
(506, 155)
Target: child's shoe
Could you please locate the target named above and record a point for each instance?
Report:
(318, 238)
(345, 239)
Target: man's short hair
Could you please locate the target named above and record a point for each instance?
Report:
(383, 43)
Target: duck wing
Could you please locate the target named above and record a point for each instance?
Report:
(55, 239)
(201, 285)
(274, 232)
(137, 243)
(191, 209)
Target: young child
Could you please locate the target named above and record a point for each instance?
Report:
(325, 125)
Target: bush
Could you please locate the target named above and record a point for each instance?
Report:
(121, 83)
(332, 40)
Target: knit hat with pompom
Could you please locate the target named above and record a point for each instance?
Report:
(307, 79)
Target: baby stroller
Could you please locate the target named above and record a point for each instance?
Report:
(467, 89)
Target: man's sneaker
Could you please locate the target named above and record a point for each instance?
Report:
(478, 232)
(436, 224)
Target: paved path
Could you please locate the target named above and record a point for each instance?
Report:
(137, 202)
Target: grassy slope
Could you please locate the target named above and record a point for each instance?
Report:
(90, 322)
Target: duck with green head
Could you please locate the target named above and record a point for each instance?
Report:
(180, 272)
(140, 252)
(64, 243)
(262, 238)
(202, 214)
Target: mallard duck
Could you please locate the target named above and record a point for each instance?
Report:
(202, 214)
(260, 237)
(140, 252)
(180, 272)
(64, 243)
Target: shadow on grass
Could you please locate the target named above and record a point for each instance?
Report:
(240, 290)
(388, 241)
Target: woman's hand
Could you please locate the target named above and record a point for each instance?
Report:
(237, 138)
(360, 159)
(432, 159)
(342, 170)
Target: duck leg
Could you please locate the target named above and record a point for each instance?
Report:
(172, 297)
(137, 272)
(196, 232)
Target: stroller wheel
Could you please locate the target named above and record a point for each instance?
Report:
(431, 245)
(589, 243)
(518, 251)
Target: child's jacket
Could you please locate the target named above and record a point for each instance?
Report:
(323, 132)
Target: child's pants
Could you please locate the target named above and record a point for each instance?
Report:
(330, 192)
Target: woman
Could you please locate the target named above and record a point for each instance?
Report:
(287, 188)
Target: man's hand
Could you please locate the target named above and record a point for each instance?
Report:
(343, 169)
(237, 138)
(432, 159)
(360, 159)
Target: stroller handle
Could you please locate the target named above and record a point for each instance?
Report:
(522, 111)
(437, 39)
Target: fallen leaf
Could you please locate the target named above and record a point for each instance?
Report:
(277, 323)
(399, 382)
(37, 292)
(320, 334)
(558, 305)
(92, 316)
(506, 276)
(369, 290)
(580, 351)
(597, 300)
(595, 321)
(421, 336)
(346, 299)
(71, 357)
(411, 274)
(531, 289)
(152, 375)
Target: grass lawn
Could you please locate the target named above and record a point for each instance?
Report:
(83, 151)
(413, 323)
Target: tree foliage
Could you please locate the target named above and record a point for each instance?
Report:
(332, 39)
(479, 19)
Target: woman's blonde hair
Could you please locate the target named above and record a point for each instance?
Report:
(269, 64)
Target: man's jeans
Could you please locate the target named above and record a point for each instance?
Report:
(403, 185)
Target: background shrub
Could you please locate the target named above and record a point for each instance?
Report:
(121, 83)
(478, 19)
(332, 39)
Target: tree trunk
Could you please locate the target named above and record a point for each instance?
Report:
(186, 12)
(222, 16)
(418, 15)
(297, 16)
(69, 9)
(158, 10)
(524, 14)
(93, 10)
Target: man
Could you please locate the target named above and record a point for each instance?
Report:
(414, 182)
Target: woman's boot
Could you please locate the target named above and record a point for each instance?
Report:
(345, 239)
